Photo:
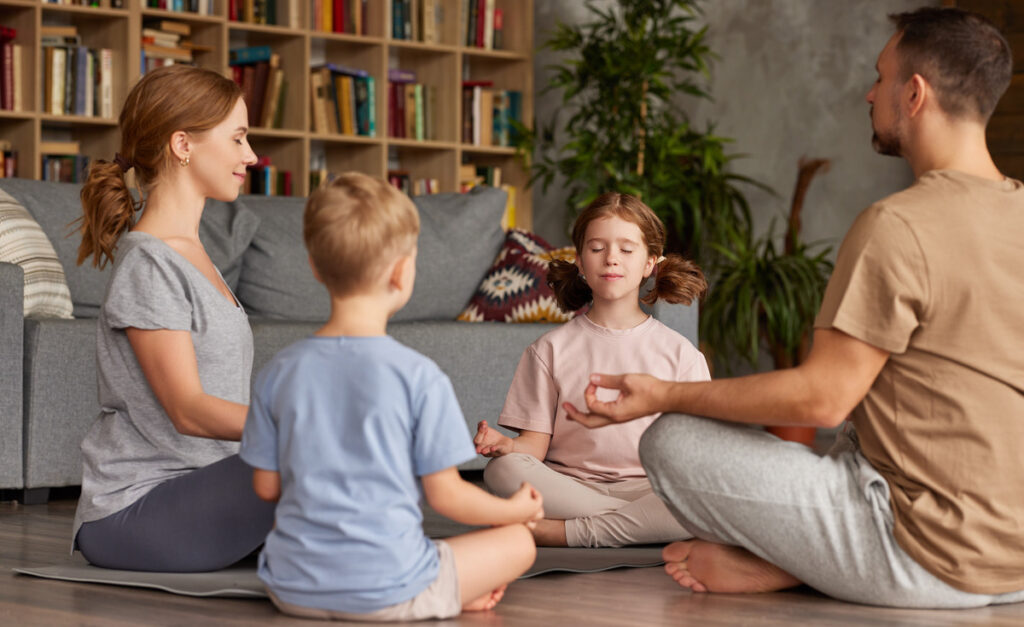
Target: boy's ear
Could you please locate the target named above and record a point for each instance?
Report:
(316, 275)
(402, 271)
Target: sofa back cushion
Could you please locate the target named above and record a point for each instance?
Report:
(23, 243)
(460, 234)
(226, 230)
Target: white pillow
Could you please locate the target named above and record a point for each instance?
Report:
(23, 242)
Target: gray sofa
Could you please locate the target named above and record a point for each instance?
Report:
(48, 376)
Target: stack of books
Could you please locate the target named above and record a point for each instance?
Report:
(76, 80)
(202, 7)
(166, 42)
(257, 69)
(489, 115)
(8, 160)
(339, 16)
(344, 100)
(483, 24)
(417, 20)
(63, 163)
(265, 179)
(11, 71)
(411, 106)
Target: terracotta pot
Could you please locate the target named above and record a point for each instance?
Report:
(803, 435)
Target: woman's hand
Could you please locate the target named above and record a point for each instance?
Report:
(490, 442)
(639, 395)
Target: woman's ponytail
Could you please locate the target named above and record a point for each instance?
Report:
(108, 211)
(570, 290)
(676, 280)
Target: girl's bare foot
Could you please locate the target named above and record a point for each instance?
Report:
(549, 533)
(709, 567)
(487, 601)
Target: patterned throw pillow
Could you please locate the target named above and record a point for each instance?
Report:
(515, 289)
(23, 242)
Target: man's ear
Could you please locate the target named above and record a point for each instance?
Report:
(915, 92)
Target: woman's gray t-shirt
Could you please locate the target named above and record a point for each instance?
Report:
(133, 446)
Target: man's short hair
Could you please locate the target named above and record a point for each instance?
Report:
(962, 55)
(354, 226)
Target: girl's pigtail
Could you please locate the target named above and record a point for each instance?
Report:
(108, 211)
(676, 280)
(571, 291)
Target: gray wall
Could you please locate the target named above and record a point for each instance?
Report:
(790, 82)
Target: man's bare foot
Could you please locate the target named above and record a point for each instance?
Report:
(549, 533)
(487, 601)
(709, 567)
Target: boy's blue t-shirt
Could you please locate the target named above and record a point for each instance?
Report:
(351, 423)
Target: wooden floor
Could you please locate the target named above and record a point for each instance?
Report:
(37, 535)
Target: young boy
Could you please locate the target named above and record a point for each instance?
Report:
(347, 425)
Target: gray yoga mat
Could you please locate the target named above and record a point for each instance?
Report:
(241, 580)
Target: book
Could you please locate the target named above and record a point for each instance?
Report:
(282, 98)
(7, 33)
(488, 34)
(346, 96)
(48, 30)
(90, 83)
(429, 27)
(270, 98)
(81, 71)
(59, 148)
(418, 107)
(259, 90)
(316, 99)
(371, 106)
(171, 26)
(251, 54)
(498, 42)
(409, 129)
(7, 81)
(167, 52)
(18, 77)
(56, 69)
(396, 75)
(362, 98)
(106, 83)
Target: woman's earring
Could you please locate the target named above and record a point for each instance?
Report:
(185, 162)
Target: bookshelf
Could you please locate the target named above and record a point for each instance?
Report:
(442, 64)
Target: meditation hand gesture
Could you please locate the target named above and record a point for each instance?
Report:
(528, 502)
(490, 442)
(639, 395)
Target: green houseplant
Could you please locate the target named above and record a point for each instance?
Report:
(624, 130)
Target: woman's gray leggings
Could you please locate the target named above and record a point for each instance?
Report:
(202, 521)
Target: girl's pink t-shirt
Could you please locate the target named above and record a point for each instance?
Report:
(557, 367)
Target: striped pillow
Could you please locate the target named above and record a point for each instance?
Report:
(22, 242)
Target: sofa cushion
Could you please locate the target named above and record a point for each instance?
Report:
(225, 230)
(515, 289)
(23, 242)
(459, 236)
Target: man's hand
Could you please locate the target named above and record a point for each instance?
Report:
(490, 442)
(639, 395)
(528, 505)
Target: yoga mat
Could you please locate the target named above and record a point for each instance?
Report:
(240, 581)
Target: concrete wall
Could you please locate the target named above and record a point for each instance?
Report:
(790, 82)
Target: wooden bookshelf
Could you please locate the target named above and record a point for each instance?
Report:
(294, 146)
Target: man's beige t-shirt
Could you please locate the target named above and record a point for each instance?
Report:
(935, 276)
(557, 368)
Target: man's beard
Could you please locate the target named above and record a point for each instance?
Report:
(887, 143)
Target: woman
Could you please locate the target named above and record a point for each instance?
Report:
(163, 488)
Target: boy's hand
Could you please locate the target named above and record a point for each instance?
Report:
(528, 504)
(491, 443)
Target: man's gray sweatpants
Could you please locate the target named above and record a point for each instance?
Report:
(825, 520)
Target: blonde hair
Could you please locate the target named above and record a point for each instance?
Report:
(676, 280)
(164, 101)
(354, 226)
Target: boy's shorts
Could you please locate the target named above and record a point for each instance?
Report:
(441, 599)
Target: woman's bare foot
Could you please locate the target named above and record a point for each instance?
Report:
(549, 532)
(709, 567)
(486, 602)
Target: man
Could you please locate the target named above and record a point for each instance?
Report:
(919, 341)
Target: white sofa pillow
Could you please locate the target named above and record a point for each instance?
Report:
(23, 242)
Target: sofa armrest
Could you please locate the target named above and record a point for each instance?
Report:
(681, 318)
(12, 328)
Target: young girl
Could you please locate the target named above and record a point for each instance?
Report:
(595, 491)
(163, 488)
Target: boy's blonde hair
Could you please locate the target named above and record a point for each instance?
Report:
(354, 226)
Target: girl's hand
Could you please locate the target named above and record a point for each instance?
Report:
(491, 443)
(528, 505)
